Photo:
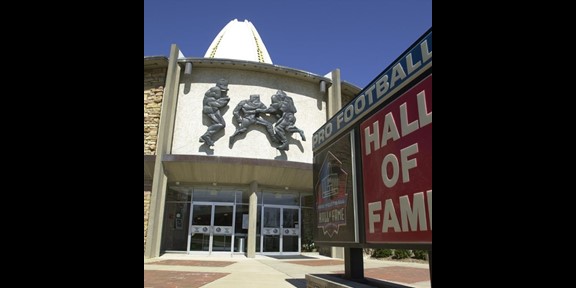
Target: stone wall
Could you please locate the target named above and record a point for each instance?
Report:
(154, 80)
(146, 213)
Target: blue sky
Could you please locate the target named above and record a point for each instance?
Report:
(361, 37)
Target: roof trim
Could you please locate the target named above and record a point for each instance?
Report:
(155, 62)
(207, 170)
(255, 66)
(236, 160)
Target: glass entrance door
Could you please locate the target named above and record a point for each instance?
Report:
(280, 230)
(200, 230)
(290, 230)
(212, 227)
(223, 228)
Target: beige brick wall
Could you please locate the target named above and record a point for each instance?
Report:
(154, 80)
(146, 213)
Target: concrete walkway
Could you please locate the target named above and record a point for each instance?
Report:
(224, 270)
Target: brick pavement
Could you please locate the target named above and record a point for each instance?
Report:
(187, 271)
(179, 279)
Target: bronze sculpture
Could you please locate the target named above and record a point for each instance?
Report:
(247, 113)
(283, 109)
(215, 99)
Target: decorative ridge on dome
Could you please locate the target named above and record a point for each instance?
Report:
(239, 40)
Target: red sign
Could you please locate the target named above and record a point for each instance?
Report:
(396, 145)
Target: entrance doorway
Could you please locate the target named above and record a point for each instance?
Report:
(212, 228)
(280, 230)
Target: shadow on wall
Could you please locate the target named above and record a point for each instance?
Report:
(291, 141)
(282, 156)
(204, 148)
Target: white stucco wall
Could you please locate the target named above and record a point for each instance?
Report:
(190, 123)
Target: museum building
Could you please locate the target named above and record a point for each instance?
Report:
(228, 148)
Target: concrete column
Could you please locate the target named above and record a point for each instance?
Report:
(164, 146)
(334, 94)
(252, 220)
(338, 252)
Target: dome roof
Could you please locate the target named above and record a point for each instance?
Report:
(239, 40)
